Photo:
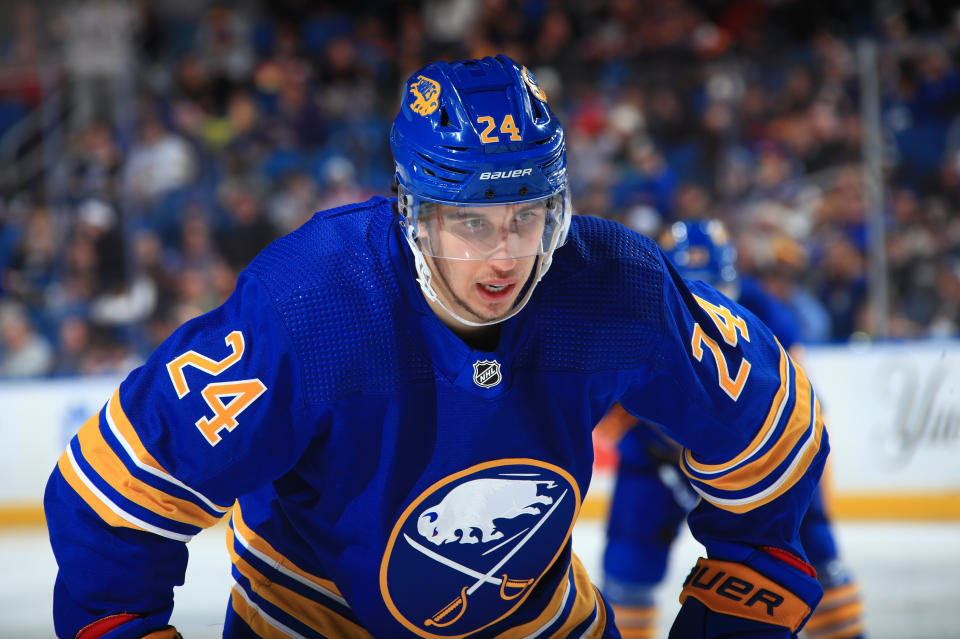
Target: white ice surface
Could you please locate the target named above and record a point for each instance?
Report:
(909, 573)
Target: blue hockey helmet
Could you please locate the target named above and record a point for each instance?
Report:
(701, 250)
(473, 139)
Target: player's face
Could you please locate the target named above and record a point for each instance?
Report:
(484, 289)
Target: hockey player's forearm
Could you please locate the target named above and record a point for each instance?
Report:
(107, 573)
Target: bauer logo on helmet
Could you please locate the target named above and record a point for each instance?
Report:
(505, 175)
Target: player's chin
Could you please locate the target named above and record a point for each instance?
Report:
(492, 311)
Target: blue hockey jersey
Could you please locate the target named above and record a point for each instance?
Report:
(384, 479)
(637, 444)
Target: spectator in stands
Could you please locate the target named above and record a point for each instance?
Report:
(24, 353)
(759, 107)
(109, 353)
(782, 277)
(73, 346)
(776, 176)
(294, 202)
(843, 286)
(339, 185)
(91, 164)
(646, 179)
(159, 162)
(31, 267)
(247, 230)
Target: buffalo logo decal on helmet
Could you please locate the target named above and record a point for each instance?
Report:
(531, 81)
(486, 373)
(476, 543)
(696, 257)
(427, 95)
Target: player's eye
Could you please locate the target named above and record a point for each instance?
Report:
(474, 225)
(527, 219)
(467, 222)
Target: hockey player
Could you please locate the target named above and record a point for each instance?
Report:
(395, 408)
(651, 496)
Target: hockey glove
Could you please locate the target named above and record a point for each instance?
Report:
(126, 626)
(733, 599)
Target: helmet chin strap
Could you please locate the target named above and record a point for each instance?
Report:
(425, 277)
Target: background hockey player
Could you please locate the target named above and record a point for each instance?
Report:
(395, 409)
(651, 496)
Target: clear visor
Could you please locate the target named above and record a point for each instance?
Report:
(508, 230)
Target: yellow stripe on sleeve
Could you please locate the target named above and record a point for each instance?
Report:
(769, 424)
(109, 512)
(130, 434)
(130, 440)
(798, 426)
(105, 512)
(102, 458)
(790, 477)
(263, 624)
(264, 551)
(311, 613)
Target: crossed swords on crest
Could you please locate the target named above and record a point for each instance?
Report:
(459, 604)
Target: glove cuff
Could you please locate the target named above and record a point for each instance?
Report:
(104, 625)
(124, 625)
(736, 589)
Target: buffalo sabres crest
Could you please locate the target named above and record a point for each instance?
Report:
(531, 81)
(469, 549)
(426, 94)
(486, 373)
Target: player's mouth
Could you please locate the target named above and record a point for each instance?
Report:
(495, 290)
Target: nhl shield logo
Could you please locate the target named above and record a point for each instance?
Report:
(486, 373)
(471, 548)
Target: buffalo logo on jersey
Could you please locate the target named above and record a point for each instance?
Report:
(469, 549)
(486, 373)
(531, 81)
(426, 95)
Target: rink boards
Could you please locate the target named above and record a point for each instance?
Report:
(893, 412)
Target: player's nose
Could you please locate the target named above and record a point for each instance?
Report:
(501, 261)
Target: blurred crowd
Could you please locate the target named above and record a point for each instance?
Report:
(148, 150)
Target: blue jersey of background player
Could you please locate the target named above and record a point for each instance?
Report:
(651, 497)
(395, 410)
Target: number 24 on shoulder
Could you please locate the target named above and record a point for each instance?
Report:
(732, 328)
(242, 392)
